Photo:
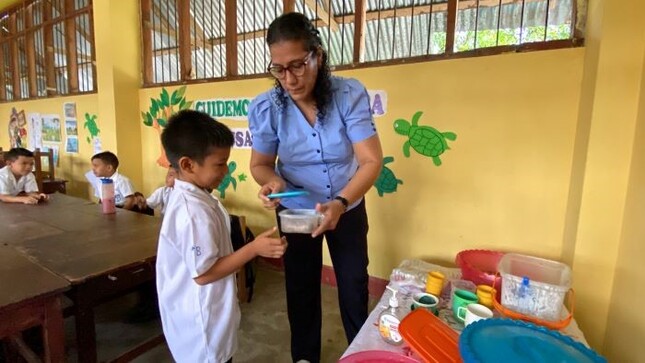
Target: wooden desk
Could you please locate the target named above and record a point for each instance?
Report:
(102, 256)
(30, 296)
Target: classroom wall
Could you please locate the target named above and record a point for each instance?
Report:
(546, 159)
(71, 166)
(625, 323)
(502, 184)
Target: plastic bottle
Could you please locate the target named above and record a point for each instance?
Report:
(525, 296)
(389, 320)
(107, 196)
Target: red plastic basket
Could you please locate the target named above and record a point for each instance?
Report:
(480, 267)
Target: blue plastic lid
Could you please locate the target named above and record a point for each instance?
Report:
(489, 340)
(107, 181)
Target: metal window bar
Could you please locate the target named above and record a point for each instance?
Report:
(394, 29)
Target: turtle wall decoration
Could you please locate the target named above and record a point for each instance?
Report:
(229, 179)
(425, 140)
(386, 181)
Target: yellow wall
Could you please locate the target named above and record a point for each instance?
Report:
(71, 166)
(546, 161)
(503, 184)
(625, 324)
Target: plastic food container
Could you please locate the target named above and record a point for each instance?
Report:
(505, 340)
(534, 286)
(299, 220)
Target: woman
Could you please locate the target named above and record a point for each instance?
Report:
(320, 130)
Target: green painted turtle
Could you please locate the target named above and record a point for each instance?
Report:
(425, 140)
(386, 181)
(228, 179)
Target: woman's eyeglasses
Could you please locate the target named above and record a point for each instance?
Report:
(296, 68)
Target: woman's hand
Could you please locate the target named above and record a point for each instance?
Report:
(274, 186)
(331, 212)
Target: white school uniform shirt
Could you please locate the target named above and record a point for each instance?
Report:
(200, 322)
(159, 199)
(10, 186)
(122, 187)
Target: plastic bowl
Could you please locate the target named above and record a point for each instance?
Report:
(299, 220)
(480, 267)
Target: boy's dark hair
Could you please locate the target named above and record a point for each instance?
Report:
(297, 27)
(193, 134)
(16, 152)
(108, 158)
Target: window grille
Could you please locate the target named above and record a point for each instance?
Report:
(47, 49)
(226, 39)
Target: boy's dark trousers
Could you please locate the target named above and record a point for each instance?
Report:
(303, 264)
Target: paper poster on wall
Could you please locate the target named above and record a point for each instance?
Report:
(71, 145)
(378, 102)
(96, 145)
(70, 109)
(225, 108)
(55, 149)
(17, 128)
(51, 128)
(71, 127)
(35, 131)
(242, 138)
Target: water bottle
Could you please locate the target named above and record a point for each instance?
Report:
(107, 196)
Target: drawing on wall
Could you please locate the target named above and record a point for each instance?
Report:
(230, 179)
(425, 140)
(51, 128)
(70, 109)
(71, 128)
(71, 146)
(378, 102)
(17, 128)
(386, 181)
(93, 128)
(160, 111)
(35, 131)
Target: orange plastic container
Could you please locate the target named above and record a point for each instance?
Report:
(430, 338)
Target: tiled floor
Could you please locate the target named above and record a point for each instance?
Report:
(264, 331)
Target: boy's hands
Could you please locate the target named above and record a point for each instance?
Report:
(140, 201)
(29, 199)
(271, 247)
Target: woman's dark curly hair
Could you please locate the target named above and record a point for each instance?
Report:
(296, 27)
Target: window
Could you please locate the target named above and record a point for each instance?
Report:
(226, 38)
(47, 49)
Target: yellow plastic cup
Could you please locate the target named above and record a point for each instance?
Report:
(434, 283)
(485, 294)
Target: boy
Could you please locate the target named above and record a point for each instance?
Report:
(195, 259)
(104, 165)
(17, 183)
(159, 198)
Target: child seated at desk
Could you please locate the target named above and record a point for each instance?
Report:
(104, 165)
(195, 259)
(17, 182)
(159, 198)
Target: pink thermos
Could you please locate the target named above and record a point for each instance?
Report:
(107, 196)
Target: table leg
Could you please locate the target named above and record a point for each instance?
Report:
(54, 332)
(85, 328)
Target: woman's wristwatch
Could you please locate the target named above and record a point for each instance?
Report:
(343, 201)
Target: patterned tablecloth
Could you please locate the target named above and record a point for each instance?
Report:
(409, 278)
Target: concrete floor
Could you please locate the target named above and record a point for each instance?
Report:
(264, 329)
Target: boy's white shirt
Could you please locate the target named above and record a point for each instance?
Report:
(200, 322)
(159, 199)
(10, 186)
(122, 186)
